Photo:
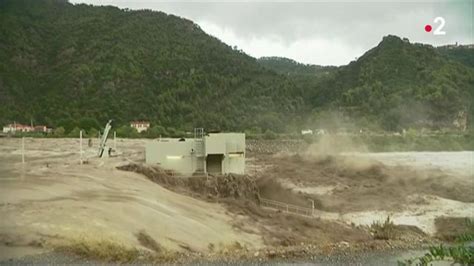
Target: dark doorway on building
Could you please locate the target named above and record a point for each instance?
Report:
(214, 163)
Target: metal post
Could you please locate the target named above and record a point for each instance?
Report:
(312, 206)
(23, 149)
(115, 141)
(80, 144)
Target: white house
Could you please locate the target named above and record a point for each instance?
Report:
(12, 128)
(140, 126)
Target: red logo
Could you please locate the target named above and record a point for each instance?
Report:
(428, 28)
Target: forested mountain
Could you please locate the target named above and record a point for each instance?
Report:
(399, 84)
(62, 63)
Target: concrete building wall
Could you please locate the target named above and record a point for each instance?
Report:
(232, 146)
(221, 151)
(222, 143)
(173, 155)
(234, 164)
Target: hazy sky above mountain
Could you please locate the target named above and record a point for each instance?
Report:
(317, 32)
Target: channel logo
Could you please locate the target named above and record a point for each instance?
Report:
(439, 23)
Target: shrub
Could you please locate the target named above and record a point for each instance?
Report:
(59, 132)
(74, 133)
(100, 249)
(459, 254)
(270, 134)
(127, 131)
(383, 230)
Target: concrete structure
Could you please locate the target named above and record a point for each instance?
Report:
(214, 153)
(140, 126)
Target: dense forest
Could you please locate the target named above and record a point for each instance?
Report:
(399, 84)
(461, 53)
(288, 66)
(80, 65)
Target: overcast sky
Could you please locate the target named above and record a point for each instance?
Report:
(316, 32)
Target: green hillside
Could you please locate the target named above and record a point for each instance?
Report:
(60, 63)
(461, 53)
(78, 66)
(288, 66)
(398, 84)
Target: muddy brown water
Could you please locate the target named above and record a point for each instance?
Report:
(76, 179)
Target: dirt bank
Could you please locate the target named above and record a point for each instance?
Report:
(241, 196)
(53, 198)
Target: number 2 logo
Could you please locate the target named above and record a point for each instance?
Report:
(439, 29)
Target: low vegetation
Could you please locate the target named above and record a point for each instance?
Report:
(454, 229)
(383, 230)
(461, 232)
(147, 241)
(459, 254)
(112, 250)
(99, 249)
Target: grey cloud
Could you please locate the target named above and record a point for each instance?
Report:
(360, 25)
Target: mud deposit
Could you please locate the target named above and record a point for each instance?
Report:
(52, 198)
(242, 195)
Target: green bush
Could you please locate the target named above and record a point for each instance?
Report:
(127, 131)
(74, 133)
(270, 134)
(155, 132)
(59, 132)
(462, 253)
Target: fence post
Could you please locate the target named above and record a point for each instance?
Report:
(23, 149)
(80, 145)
